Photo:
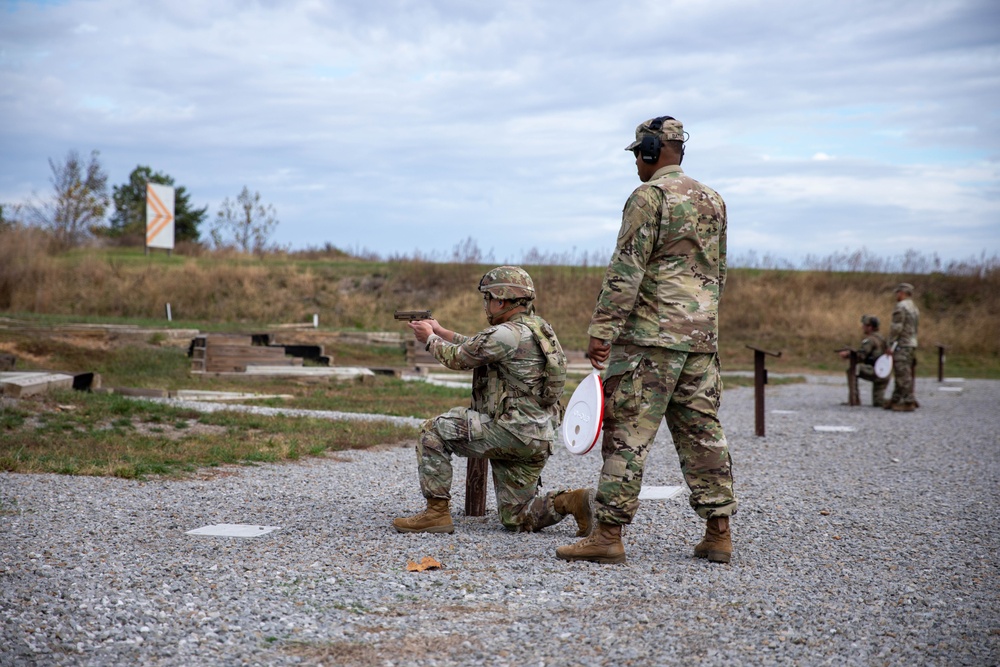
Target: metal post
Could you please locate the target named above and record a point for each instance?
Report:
(476, 472)
(941, 349)
(759, 380)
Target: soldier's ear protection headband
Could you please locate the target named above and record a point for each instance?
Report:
(649, 149)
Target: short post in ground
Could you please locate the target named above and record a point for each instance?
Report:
(759, 380)
(476, 472)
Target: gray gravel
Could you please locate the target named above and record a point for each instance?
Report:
(877, 547)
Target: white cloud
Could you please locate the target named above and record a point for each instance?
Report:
(407, 125)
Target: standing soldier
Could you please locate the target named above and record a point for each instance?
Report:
(903, 346)
(873, 346)
(656, 327)
(519, 371)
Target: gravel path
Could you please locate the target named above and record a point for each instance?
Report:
(877, 547)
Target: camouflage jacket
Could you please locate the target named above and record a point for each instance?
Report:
(668, 270)
(905, 318)
(501, 351)
(872, 348)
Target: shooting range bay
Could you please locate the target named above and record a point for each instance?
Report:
(100, 570)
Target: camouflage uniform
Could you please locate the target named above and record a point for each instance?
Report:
(505, 423)
(659, 307)
(903, 332)
(872, 347)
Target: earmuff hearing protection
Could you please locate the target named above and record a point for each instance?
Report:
(649, 149)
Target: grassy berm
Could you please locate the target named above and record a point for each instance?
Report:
(805, 315)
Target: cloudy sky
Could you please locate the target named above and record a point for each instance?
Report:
(402, 126)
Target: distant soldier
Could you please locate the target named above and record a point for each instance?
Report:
(872, 347)
(903, 347)
(655, 325)
(519, 371)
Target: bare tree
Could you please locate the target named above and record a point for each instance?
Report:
(80, 200)
(249, 223)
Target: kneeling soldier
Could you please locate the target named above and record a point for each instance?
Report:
(519, 370)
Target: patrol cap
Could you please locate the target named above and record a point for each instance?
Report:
(904, 287)
(664, 127)
(870, 320)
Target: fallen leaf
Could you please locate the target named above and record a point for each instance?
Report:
(426, 563)
(825, 512)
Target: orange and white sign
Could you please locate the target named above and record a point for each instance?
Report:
(159, 216)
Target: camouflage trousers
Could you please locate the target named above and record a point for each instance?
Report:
(904, 362)
(642, 386)
(516, 466)
(879, 385)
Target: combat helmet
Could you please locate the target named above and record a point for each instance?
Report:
(870, 320)
(507, 283)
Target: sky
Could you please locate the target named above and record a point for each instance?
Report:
(404, 127)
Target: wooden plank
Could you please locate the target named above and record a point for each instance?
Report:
(20, 385)
(217, 351)
(418, 357)
(223, 340)
(240, 365)
(143, 393)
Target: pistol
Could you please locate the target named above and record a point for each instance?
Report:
(412, 315)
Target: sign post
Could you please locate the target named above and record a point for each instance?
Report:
(159, 217)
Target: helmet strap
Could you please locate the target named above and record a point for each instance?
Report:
(495, 318)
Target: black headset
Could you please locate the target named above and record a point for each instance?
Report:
(649, 148)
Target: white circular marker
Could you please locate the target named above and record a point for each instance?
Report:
(584, 414)
(883, 366)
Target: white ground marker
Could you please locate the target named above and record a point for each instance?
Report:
(659, 492)
(233, 530)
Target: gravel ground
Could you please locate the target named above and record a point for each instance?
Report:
(876, 547)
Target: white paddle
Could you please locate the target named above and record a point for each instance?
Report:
(584, 414)
(883, 366)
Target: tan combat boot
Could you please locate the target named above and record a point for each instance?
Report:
(435, 519)
(903, 407)
(579, 503)
(717, 545)
(604, 545)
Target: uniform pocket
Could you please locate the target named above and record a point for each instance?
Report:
(623, 387)
(454, 424)
(476, 421)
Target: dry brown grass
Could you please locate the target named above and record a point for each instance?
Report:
(805, 314)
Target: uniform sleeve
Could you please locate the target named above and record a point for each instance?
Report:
(723, 266)
(486, 347)
(896, 328)
(636, 240)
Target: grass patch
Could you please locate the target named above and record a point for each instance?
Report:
(97, 434)
(379, 394)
